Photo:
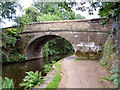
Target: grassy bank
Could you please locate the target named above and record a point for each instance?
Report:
(56, 80)
(110, 61)
(108, 54)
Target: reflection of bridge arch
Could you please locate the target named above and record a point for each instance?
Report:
(35, 48)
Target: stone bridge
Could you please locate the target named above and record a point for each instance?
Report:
(89, 33)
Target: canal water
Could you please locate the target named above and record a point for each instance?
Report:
(16, 71)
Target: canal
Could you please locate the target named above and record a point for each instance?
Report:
(17, 71)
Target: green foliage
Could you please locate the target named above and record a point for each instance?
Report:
(53, 62)
(7, 9)
(30, 16)
(48, 17)
(32, 12)
(78, 59)
(101, 81)
(114, 76)
(108, 56)
(21, 21)
(17, 57)
(44, 7)
(58, 66)
(66, 5)
(6, 83)
(10, 50)
(78, 16)
(109, 10)
(49, 10)
(32, 79)
(108, 53)
(48, 67)
(56, 80)
(12, 36)
(57, 46)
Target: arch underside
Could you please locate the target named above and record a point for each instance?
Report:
(35, 48)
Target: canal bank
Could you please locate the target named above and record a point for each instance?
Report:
(53, 78)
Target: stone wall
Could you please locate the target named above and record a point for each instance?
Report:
(38, 40)
(70, 25)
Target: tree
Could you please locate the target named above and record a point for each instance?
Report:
(48, 17)
(78, 16)
(32, 12)
(11, 51)
(8, 9)
(57, 46)
(54, 8)
(111, 10)
(108, 10)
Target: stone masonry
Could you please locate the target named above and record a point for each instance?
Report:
(88, 33)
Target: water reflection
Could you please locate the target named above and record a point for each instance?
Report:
(17, 71)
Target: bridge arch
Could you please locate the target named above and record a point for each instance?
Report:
(35, 48)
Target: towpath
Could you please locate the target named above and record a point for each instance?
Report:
(83, 74)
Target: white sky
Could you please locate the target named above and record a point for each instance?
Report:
(27, 3)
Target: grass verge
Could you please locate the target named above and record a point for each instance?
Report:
(56, 80)
(79, 59)
(108, 54)
(110, 61)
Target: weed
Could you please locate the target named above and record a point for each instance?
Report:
(6, 83)
(114, 77)
(79, 59)
(108, 56)
(101, 81)
(55, 82)
(32, 79)
(108, 53)
(47, 68)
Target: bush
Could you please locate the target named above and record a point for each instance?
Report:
(17, 57)
(48, 67)
(57, 46)
(108, 53)
(114, 76)
(56, 80)
(10, 48)
(32, 79)
(6, 83)
(110, 61)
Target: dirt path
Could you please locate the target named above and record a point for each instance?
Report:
(82, 74)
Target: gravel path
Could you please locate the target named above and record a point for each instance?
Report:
(82, 74)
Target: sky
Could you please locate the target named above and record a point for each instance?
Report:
(27, 3)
